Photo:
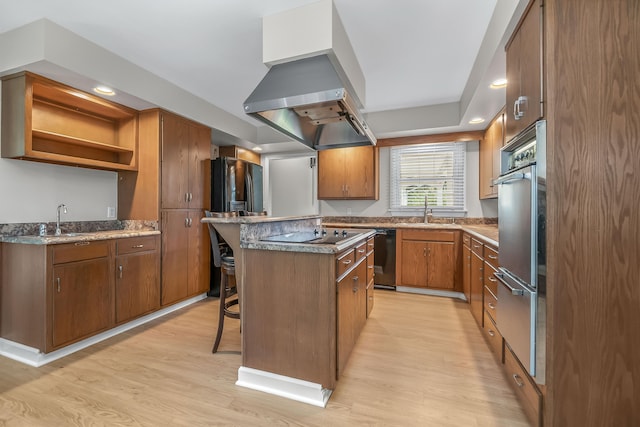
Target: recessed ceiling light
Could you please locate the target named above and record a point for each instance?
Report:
(104, 90)
(257, 148)
(498, 84)
(476, 120)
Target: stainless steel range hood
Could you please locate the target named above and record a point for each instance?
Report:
(308, 101)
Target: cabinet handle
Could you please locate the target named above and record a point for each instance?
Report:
(186, 222)
(347, 262)
(371, 267)
(137, 246)
(492, 279)
(361, 251)
(491, 333)
(120, 271)
(492, 257)
(186, 197)
(190, 196)
(355, 284)
(81, 243)
(518, 379)
(58, 283)
(491, 306)
(190, 222)
(424, 252)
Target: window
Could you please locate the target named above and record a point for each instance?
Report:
(434, 171)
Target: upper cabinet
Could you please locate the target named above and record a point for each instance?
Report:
(348, 173)
(239, 153)
(524, 72)
(490, 156)
(50, 122)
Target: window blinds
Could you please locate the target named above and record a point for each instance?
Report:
(432, 170)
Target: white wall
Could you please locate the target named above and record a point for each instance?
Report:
(30, 191)
(475, 207)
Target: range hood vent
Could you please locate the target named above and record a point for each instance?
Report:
(308, 101)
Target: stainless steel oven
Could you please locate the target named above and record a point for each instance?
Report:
(521, 223)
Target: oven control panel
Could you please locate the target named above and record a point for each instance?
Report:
(521, 156)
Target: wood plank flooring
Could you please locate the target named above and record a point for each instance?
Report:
(420, 361)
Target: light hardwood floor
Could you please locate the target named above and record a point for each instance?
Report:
(420, 361)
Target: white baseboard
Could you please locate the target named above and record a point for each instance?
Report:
(433, 292)
(34, 357)
(280, 385)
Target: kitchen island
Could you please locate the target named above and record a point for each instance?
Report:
(303, 302)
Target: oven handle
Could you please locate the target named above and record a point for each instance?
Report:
(511, 177)
(514, 291)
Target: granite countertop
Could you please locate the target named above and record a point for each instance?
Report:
(76, 237)
(327, 248)
(486, 232)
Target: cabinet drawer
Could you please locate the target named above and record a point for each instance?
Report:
(466, 240)
(493, 337)
(370, 298)
(370, 268)
(79, 251)
(527, 392)
(490, 303)
(490, 280)
(345, 261)
(431, 235)
(476, 247)
(370, 245)
(491, 256)
(361, 251)
(136, 244)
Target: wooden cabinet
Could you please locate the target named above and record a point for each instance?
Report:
(466, 266)
(524, 72)
(54, 295)
(490, 157)
(477, 281)
(185, 255)
(82, 291)
(186, 157)
(239, 153)
(527, 392)
(348, 173)
(352, 311)
(46, 121)
(137, 277)
(172, 186)
(370, 274)
(427, 258)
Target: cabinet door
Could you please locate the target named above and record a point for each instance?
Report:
(175, 162)
(524, 64)
(414, 263)
(359, 173)
(490, 157)
(466, 272)
(82, 300)
(477, 288)
(352, 312)
(137, 285)
(198, 254)
(175, 247)
(441, 265)
(199, 166)
(331, 174)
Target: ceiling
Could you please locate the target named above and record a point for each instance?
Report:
(413, 53)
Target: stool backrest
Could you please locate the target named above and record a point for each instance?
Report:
(213, 235)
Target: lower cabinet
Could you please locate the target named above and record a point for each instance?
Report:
(82, 294)
(54, 295)
(527, 392)
(185, 255)
(477, 281)
(370, 275)
(427, 259)
(466, 266)
(351, 311)
(137, 277)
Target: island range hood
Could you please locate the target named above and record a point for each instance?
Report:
(307, 100)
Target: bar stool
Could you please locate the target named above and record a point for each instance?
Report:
(228, 289)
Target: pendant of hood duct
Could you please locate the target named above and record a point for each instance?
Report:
(308, 101)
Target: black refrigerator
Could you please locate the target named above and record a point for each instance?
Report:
(236, 185)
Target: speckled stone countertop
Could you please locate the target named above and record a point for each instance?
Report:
(485, 229)
(77, 232)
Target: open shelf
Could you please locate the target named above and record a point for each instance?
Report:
(50, 122)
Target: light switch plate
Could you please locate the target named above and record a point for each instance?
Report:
(111, 212)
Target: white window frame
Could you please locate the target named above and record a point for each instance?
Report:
(458, 149)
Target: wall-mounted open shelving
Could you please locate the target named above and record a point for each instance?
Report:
(47, 121)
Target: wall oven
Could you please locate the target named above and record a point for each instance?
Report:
(521, 223)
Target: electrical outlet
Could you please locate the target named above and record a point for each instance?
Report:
(111, 212)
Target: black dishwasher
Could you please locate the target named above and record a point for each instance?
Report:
(384, 260)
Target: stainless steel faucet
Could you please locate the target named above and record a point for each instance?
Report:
(64, 209)
(427, 212)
